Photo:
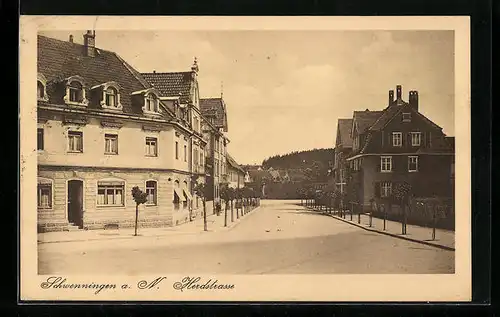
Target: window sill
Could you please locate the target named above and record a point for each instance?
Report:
(45, 209)
(412, 171)
(149, 155)
(77, 152)
(77, 104)
(110, 153)
(110, 206)
(110, 108)
(385, 171)
(151, 113)
(150, 205)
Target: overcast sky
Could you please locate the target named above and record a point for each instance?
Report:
(285, 90)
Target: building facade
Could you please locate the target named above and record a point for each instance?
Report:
(103, 129)
(397, 144)
(214, 129)
(236, 174)
(179, 91)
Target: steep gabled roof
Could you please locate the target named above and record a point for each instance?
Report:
(344, 127)
(174, 84)
(233, 163)
(363, 120)
(58, 60)
(386, 116)
(215, 108)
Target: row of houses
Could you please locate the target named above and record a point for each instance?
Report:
(104, 127)
(376, 149)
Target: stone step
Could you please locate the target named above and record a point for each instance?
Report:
(73, 227)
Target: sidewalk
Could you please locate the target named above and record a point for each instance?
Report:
(445, 239)
(214, 224)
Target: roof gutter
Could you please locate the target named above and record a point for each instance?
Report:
(396, 154)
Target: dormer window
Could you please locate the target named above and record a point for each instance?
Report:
(406, 116)
(111, 94)
(40, 93)
(149, 99)
(75, 91)
(110, 97)
(41, 84)
(151, 103)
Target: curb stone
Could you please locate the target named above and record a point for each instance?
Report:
(237, 223)
(177, 232)
(440, 246)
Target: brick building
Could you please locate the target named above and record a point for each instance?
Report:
(396, 144)
(103, 129)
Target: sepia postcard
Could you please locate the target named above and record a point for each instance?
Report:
(245, 159)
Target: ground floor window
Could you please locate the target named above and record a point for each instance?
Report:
(385, 189)
(110, 193)
(44, 195)
(151, 192)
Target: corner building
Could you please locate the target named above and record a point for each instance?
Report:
(103, 129)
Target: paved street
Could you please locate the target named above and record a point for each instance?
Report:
(280, 237)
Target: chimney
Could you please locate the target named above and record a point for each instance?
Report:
(89, 43)
(391, 97)
(71, 38)
(413, 99)
(398, 92)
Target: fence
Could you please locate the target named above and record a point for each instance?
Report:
(422, 211)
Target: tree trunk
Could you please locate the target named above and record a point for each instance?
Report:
(136, 217)
(204, 216)
(232, 213)
(225, 214)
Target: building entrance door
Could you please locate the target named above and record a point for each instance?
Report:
(75, 203)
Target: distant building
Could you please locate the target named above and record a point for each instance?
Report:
(343, 148)
(236, 175)
(214, 128)
(397, 144)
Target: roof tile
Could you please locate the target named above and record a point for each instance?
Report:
(215, 107)
(58, 60)
(175, 84)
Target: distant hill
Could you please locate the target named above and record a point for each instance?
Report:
(299, 159)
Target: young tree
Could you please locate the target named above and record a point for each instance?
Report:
(251, 194)
(336, 200)
(239, 205)
(200, 189)
(231, 198)
(329, 196)
(401, 195)
(300, 193)
(140, 198)
(224, 195)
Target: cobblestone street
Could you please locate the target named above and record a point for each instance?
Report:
(279, 237)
